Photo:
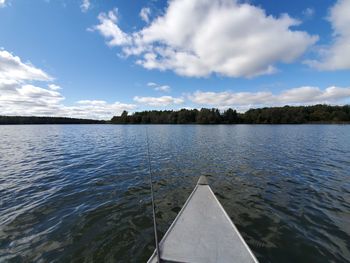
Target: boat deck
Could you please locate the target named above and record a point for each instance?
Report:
(203, 232)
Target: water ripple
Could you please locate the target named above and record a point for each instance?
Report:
(81, 193)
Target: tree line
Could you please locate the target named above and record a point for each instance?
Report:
(45, 120)
(271, 115)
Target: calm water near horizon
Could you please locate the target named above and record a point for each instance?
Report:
(80, 193)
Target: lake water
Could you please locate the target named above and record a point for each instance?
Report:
(81, 193)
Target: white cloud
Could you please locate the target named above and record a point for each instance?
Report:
(19, 97)
(157, 87)
(163, 88)
(2, 3)
(11, 67)
(308, 12)
(201, 37)
(97, 109)
(337, 55)
(298, 96)
(158, 101)
(29, 100)
(109, 29)
(24, 99)
(54, 87)
(145, 13)
(85, 5)
(92, 102)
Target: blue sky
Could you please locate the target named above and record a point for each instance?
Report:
(96, 58)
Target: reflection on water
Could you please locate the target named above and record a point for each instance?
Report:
(81, 193)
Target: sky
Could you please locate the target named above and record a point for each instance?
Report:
(94, 58)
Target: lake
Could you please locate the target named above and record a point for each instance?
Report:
(80, 193)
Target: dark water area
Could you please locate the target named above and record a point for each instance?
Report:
(81, 193)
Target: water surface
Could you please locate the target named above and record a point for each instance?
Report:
(80, 193)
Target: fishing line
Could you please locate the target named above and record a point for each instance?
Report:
(152, 195)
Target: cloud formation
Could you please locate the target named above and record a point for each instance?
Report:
(157, 87)
(2, 3)
(199, 37)
(54, 87)
(25, 99)
(21, 95)
(145, 13)
(11, 67)
(97, 109)
(163, 88)
(110, 30)
(308, 12)
(152, 84)
(297, 96)
(85, 5)
(337, 55)
(18, 96)
(158, 101)
(30, 100)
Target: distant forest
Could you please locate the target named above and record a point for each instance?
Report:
(44, 120)
(274, 115)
